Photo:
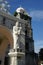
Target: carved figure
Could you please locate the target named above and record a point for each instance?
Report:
(16, 34)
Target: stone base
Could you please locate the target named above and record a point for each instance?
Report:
(14, 53)
(16, 57)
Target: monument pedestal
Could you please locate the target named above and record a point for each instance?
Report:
(14, 57)
(17, 53)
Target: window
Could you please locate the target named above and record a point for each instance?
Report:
(18, 57)
(4, 20)
(27, 46)
(25, 31)
(21, 16)
(20, 50)
(17, 50)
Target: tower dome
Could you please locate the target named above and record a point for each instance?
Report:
(20, 10)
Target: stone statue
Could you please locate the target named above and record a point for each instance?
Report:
(16, 34)
(17, 28)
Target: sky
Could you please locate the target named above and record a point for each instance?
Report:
(35, 10)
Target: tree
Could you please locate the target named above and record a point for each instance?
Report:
(41, 54)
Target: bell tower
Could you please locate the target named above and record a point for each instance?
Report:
(29, 42)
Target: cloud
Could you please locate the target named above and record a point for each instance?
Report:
(37, 14)
(38, 45)
(1, 0)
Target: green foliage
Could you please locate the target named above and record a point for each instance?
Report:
(41, 54)
(23, 16)
(26, 17)
(15, 13)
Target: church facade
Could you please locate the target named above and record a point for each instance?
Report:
(16, 38)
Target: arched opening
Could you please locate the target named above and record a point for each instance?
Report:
(6, 33)
(6, 43)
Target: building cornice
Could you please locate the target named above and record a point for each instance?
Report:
(11, 17)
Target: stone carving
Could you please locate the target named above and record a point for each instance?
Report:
(16, 34)
(17, 28)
